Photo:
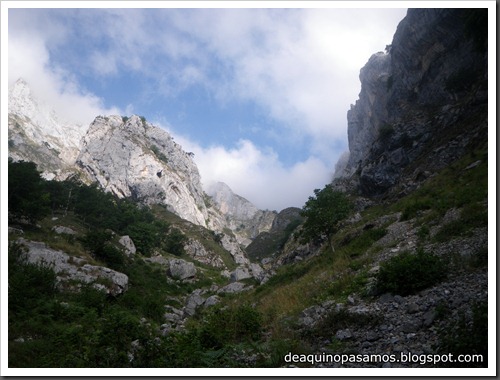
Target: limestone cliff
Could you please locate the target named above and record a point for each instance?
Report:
(132, 158)
(413, 114)
(241, 216)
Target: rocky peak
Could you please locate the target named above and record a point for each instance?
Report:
(242, 217)
(37, 134)
(133, 158)
(415, 100)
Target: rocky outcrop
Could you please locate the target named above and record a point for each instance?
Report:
(73, 271)
(128, 244)
(417, 100)
(132, 158)
(198, 252)
(241, 216)
(181, 269)
(269, 243)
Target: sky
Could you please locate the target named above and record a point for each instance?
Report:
(259, 95)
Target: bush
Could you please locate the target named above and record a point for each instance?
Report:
(175, 241)
(98, 243)
(409, 273)
(231, 325)
(29, 284)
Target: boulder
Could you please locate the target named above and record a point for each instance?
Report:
(211, 301)
(180, 269)
(63, 230)
(234, 287)
(193, 301)
(239, 274)
(128, 244)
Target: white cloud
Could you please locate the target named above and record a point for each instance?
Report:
(302, 66)
(30, 60)
(258, 175)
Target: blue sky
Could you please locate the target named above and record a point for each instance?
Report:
(259, 95)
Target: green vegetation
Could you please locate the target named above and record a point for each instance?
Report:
(324, 212)
(51, 326)
(27, 198)
(161, 156)
(409, 273)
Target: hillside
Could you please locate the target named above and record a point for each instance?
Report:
(387, 266)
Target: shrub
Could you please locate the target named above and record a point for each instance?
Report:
(175, 241)
(409, 273)
(29, 284)
(230, 325)
(98, 243)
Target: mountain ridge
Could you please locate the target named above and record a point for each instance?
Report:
(127, 156)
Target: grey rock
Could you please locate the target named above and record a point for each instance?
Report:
(412, 308)
(231, 245)
(15, 231)
(386, 298)
(398, 299)
(180, 269)
(128, 244)
(70, 269)
(239, 274)
(342, 335)
(133, 158)
(410, 326)
(197, 251)
(193, 302)
(429, 317)
(234, 287)
(211, 301)
(63, 230)
(372, 336)
(391, 124)
(241, 216)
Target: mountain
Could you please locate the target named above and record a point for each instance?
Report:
(127, 156)
(37, 134)
(241, 216)
(131, 158)
(423, 103)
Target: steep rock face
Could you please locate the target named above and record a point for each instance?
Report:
(269, 243)
(417, 100)
(241, 216)
(132, 158)
(37, 134)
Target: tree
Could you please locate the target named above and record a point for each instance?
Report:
(27, 197)
(323, 213)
